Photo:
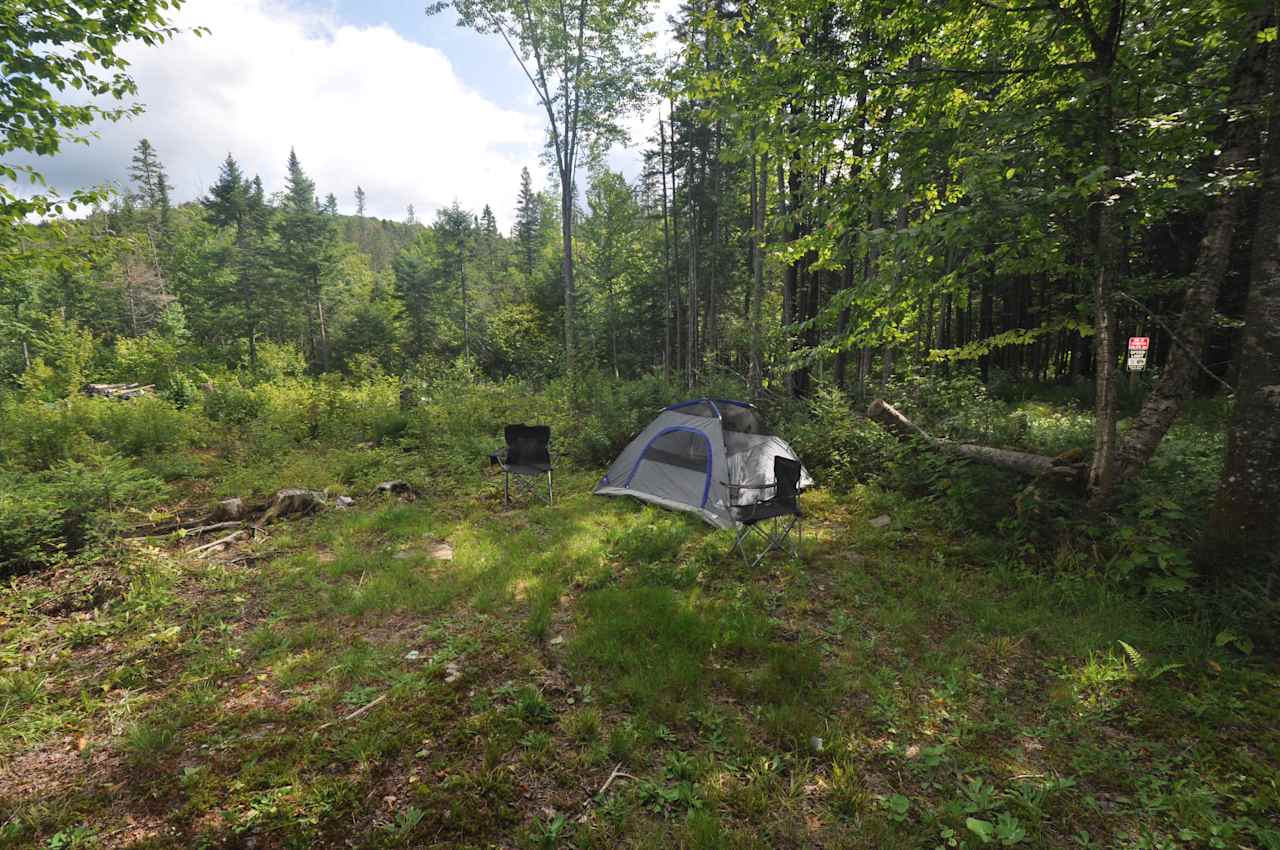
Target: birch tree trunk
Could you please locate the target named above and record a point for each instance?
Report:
(1163, 406)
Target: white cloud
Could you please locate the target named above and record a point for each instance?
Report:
(362, 105)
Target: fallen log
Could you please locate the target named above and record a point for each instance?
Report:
(214, 526)
(224, 541)
(118, 391)
(292, 502)
(1064, 470)
(401, 489)
(235, 512)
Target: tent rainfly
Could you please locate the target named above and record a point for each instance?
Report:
(687, 458)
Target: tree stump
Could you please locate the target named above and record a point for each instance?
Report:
(292, 502)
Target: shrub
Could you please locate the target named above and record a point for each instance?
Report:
(838, 447)
(35, 435)
(231, 404)
(66, 510)
(148, 359)
(146, 425)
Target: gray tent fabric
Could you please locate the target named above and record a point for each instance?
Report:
(684, 458)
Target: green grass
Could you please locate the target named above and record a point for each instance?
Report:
(898, 687)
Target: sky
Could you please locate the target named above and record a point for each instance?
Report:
(374, 93)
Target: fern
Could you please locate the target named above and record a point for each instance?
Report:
(1141, 668)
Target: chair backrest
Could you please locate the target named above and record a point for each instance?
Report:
(527, 444)
(786, 474)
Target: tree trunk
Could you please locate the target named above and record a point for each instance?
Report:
(985, 329)
(1175, 386)
(666, 252)
(566, 265)
(466, 306)
(757, 272)
(713, 307)
(1244, 526)
(324, 335)
(678, 324)
(1102, 476)
(842, 330)
(691, 363)
(790, 191)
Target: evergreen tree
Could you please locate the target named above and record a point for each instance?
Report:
(488, 224)
(455, 230)
(330, 204)
(227, 198)
(306, 253)
(412, 217)
(147, 175)
(237, 203)
(528, 224)
(360, 202)
(163, 202)
(417, 273)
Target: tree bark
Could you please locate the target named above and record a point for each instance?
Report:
(324, 336)
(757, 272)
(666, 251)
(985, 328)
(1244, 526)
(1102, 476)
(790, 191)
(1163, 406)
(566, 265)
(842, 329)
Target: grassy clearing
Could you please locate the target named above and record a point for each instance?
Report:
(901, 687)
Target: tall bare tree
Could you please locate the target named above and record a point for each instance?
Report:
(587, 61)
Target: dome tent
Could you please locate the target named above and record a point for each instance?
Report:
(690, 454)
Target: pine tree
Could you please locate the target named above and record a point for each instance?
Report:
(163, 202)
(455, 234)
(330, 204)
(306, 253)
(528, 224)
(300, 190)
(147, 175)
(227, 198)
(360, 202)
(241, 204)
(412, 217)
(488, 224)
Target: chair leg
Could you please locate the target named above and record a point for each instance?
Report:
(506, 488)
(738, 540)
(550, 490)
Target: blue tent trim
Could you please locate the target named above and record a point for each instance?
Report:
(714, 402)
(706, 488)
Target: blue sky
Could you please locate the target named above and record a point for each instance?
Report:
(370, 92)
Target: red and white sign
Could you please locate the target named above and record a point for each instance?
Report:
(1139, 343)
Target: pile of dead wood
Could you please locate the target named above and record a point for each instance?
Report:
(1064, 469)
(118, 391)
(244, 520)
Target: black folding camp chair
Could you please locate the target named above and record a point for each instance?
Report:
(527, 456)
(773, 518)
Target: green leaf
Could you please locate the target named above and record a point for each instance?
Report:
(1008, 830)
(985, 830)
(1227, 637)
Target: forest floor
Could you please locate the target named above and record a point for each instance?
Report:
(603, 674)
